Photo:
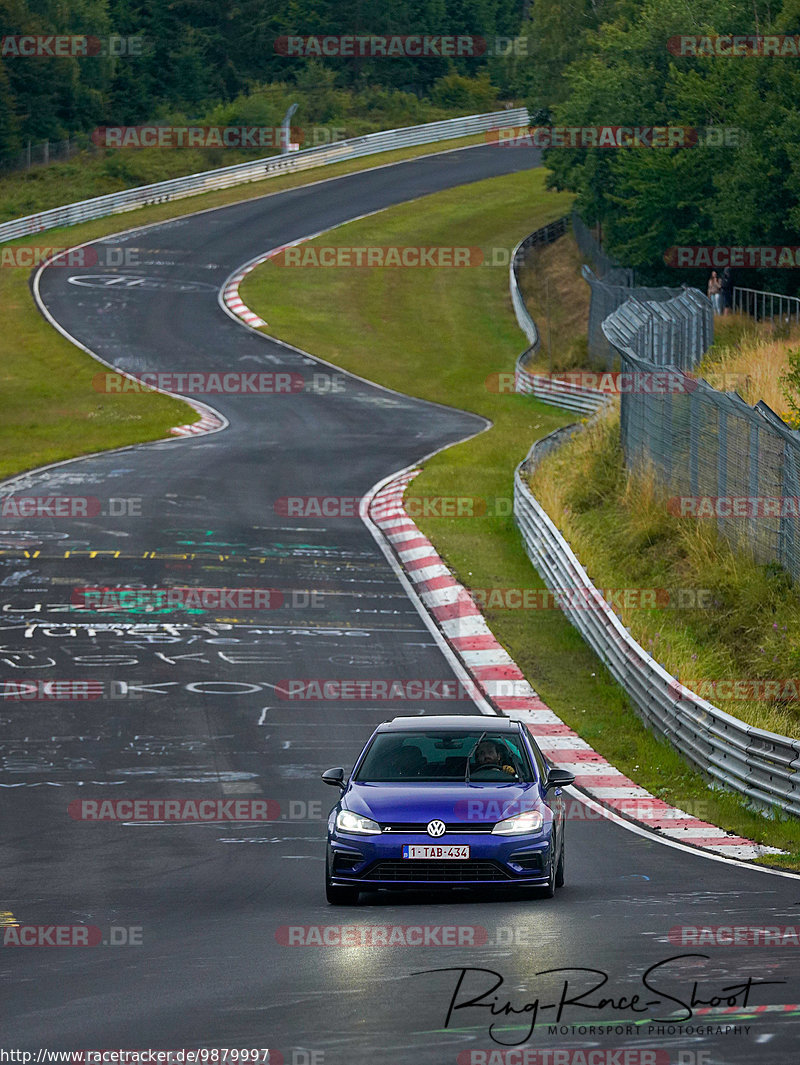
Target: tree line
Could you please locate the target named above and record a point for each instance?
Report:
(736, 184)
(199, 54)
(579, 63)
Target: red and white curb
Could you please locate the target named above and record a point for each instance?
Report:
(208, 423)
(230, 290)
(503, 684)
(234, 302)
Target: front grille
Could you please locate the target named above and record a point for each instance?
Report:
(451, 827)
(430, 870)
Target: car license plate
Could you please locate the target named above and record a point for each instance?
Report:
(434, 851)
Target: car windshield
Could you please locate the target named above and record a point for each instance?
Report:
(442, 756)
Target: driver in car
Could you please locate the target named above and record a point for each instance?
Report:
(489, 755)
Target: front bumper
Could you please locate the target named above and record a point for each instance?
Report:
(373, 862)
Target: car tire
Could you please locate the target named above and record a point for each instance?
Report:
(560, 866)
(549, 889)
(336, 894)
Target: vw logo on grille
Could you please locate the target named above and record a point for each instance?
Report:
(436, 829)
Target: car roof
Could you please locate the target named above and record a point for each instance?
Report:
(451, 722)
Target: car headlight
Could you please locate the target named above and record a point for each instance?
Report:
(347, 821)
(529, 821)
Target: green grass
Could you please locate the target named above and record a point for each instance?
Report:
(50, 410)
(438, 334)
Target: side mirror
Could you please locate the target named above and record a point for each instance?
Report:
(335, 777)
(559, 778)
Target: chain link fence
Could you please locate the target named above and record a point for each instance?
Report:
(605, 299)
(606, 268)
(717, 455)
(46, 152)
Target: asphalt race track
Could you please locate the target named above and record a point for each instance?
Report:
(187, 708)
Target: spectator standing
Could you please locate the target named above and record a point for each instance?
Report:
(727, 290)
(714, 292)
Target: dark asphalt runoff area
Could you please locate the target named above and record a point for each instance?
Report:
(198, 923)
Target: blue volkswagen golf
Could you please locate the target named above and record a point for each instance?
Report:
(444, 802)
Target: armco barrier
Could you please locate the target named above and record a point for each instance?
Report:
(560, 393)
(542, 386)
(258, 169)
(760, 765)
(763, 766)
(546, 235)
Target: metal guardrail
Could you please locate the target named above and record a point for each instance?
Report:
(258, 169)
(760, 765)
(545, 387)
(546, 235)
(766, 306)
(559, 392)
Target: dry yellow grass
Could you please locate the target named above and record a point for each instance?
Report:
(749, 358)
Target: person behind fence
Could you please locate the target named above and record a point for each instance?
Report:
(726, 284)
(714, 292)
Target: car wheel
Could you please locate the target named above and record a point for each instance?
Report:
(549, 889)
(560, 866)
(337, 895)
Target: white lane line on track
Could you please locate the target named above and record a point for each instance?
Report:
(215, 420)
